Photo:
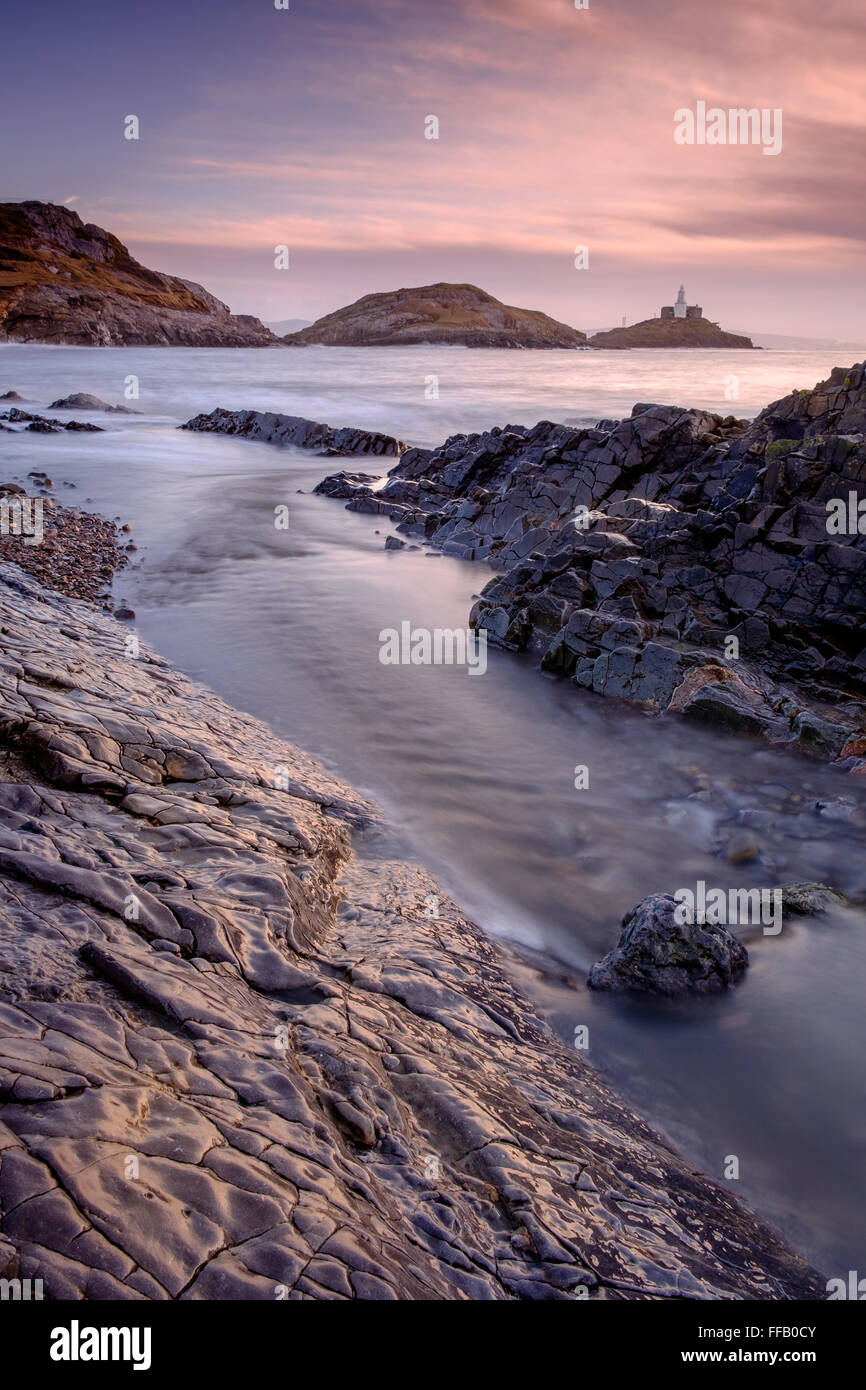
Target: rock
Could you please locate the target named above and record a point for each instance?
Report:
(75, 283)
(11, 396)
(124, 614)
(706, 543)
(81, 400)
(293, 430)
(657, 955)
(348, 485)
(215, 1087)
(808, 899)
(742, 848)
(670, 333)
(394, 543)
(448, 314)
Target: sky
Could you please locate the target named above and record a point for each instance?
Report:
(305, 127)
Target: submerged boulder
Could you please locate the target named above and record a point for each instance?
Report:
(656, 954)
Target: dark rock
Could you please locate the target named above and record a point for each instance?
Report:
(295, 431)
(657, 955)
(81, 400)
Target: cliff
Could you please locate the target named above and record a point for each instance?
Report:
(66, 281)
(453, 315)
(670, 333)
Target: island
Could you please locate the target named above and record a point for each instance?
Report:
(680, 325)
(448, 315)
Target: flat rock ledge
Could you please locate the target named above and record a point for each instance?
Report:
(295, 431)
(243, 1058)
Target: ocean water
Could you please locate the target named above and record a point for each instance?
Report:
(477, 773)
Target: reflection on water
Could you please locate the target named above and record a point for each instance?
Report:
(478, 774)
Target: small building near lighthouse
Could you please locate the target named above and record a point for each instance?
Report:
(682, 310)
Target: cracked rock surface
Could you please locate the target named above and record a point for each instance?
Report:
(242, 1058)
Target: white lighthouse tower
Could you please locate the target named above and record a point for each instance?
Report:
(680, 306)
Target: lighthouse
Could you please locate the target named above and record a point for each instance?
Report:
(682, 310)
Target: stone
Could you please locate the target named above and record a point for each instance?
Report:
(656, 954)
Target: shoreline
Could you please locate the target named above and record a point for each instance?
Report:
(151, 1037)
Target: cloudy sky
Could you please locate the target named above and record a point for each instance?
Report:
(306, 127)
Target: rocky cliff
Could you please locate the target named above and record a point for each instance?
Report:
(66, 281)
(670, 333)
(678, 559)
(242, 1058)
(456, 315)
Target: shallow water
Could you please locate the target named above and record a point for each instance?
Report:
(477, 772)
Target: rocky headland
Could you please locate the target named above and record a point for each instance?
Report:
(66, 281)
(449, 315)
(240, 1055)
(684, 561)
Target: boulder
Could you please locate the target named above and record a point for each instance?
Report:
(657, 955)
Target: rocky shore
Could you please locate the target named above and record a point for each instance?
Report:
(244, 1054)
(684, 561)
(77, 553)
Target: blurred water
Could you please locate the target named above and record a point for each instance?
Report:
(477, 773)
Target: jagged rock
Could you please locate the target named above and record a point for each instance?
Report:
(678, 559)
(657, 955)
(293, 430)
(346, 485)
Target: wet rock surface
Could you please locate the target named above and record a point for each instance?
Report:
(243, 1057)
(677, 559)
(294, 430)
